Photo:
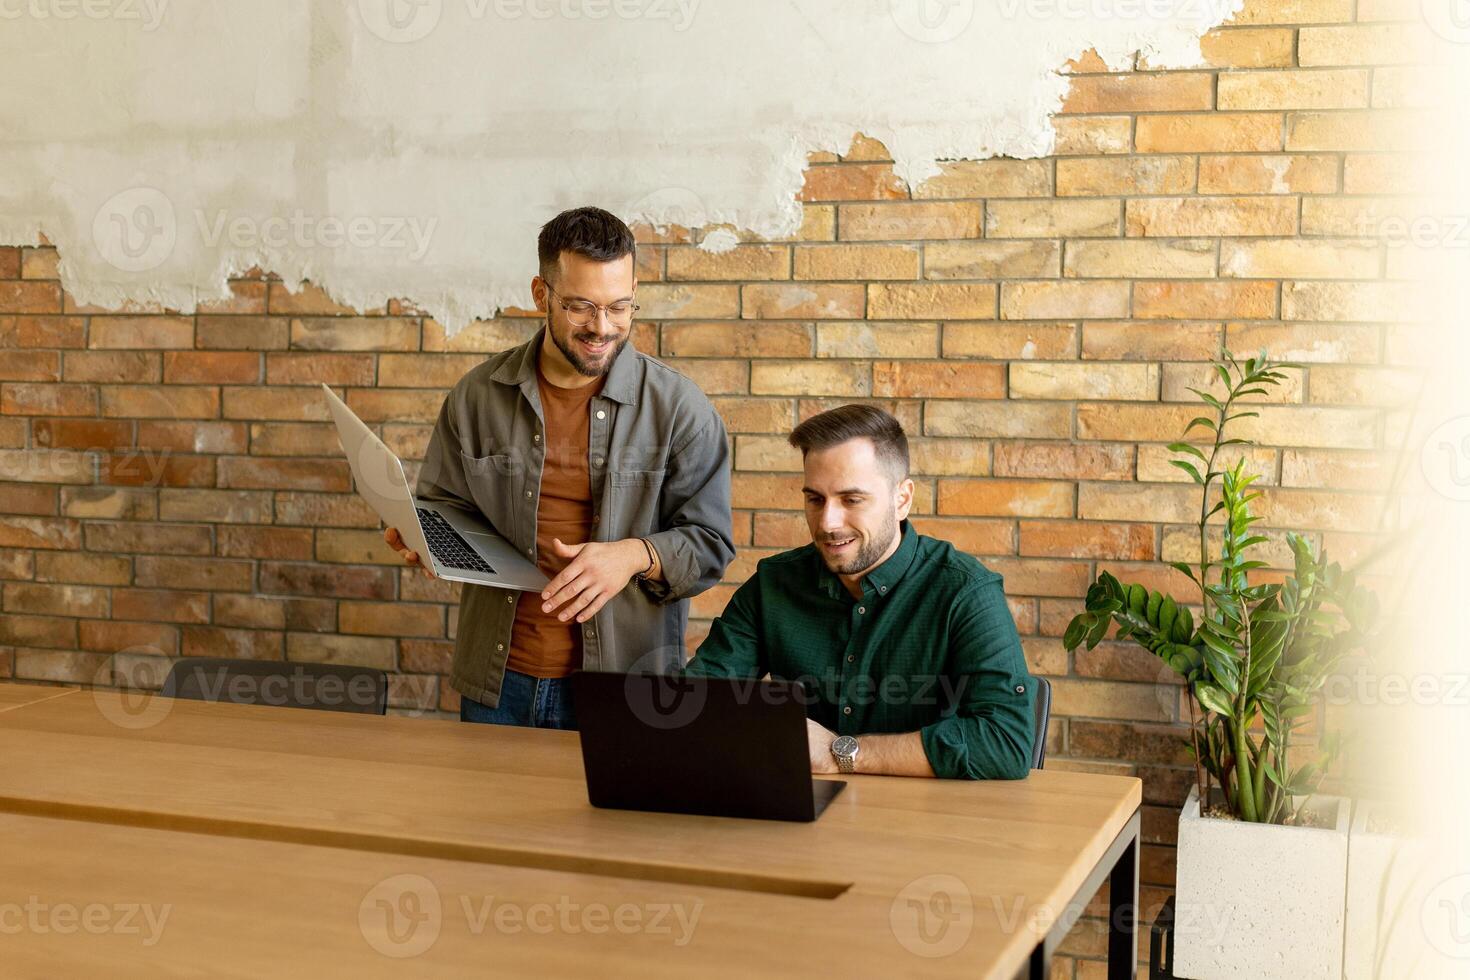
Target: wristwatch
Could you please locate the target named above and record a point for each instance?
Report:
(845, 751)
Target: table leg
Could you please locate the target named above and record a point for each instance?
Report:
(1123, 913)
(1119, 865)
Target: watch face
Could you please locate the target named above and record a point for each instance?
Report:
(845, 745)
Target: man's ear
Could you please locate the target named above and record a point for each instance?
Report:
(540, 293)
(904, 497)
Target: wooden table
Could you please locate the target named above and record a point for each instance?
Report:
(290, 841)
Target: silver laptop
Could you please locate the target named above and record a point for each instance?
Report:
(457, 544)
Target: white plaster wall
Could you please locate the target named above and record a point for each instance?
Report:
(411, 148)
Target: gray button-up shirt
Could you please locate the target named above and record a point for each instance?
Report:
(660, 468)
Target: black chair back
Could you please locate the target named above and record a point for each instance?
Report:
(1043, 716)
(322, 687)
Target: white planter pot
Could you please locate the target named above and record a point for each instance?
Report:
(1258, 900)
(1385, 895)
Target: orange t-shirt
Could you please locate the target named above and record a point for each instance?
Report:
(540, 644)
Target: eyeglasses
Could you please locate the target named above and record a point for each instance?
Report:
(581, 312)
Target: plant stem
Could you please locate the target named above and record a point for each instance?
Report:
(1199, 771)
(1244, 785)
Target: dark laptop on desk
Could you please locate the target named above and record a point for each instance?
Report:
(701, 745)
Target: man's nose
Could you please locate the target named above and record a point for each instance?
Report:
(832, 516)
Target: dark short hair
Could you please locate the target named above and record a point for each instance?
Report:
(591, 232)
(838, 425)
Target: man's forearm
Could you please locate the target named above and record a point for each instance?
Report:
(892, 755)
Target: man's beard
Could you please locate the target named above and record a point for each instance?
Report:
(868, 553)
(583, 367)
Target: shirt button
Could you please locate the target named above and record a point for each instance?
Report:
(882, 588)
(847, 710)
(850, 658)
(596, 460)
(528, 493)
(601, 414)
(536, 438)
(1020, 688)
(862, 609)
(587, 632)
(500, 646)
(510, 598)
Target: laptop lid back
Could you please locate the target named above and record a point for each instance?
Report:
(710, 746)
(378, 475)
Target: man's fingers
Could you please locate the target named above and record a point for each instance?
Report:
(582, 602)
(595, 608)
(567, 591)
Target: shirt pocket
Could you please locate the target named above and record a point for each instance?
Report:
(634, 497)
(496, 483)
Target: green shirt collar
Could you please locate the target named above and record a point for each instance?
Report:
(886, 576)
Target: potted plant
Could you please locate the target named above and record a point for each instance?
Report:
(1261, 858)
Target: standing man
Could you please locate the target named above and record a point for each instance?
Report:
(608, 468)
(906, 647)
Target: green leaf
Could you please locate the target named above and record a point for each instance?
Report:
(1187, 467)
(1184, 447)
(1212, 698)
(1216, 643)
(1077, 630)
(1224, 669)
(1208, 423)
(1183, 626)
(1209, 399)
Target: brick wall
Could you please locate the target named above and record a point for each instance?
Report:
(172, 485)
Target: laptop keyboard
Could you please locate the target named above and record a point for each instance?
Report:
(447, 546)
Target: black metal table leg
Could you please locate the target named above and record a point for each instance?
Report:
(1119, 865)
(1123, 915)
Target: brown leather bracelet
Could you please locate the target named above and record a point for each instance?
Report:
(652, 560)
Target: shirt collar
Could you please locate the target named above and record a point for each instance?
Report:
(620, 386)
(887, 575)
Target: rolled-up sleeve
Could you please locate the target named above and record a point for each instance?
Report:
(696, 543)
(987, 733)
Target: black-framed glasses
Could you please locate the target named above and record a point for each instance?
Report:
(581, 312)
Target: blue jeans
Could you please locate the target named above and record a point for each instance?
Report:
(531, 702)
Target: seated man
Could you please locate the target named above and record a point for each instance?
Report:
(905, 646)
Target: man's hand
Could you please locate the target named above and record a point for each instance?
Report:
(819, 747)
(395, 541)
(597, 571)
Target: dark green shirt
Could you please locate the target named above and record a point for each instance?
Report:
(930, 647)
